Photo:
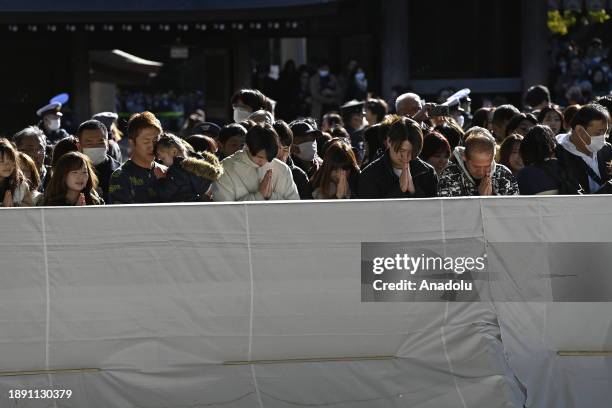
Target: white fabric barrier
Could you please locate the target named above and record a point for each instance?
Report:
(157, 298)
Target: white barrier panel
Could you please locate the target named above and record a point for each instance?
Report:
(166, 306)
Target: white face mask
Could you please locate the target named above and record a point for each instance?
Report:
(52, 123)
(307, 150)
(597, 142)
(323, 73)
(241, 114)
(360, 76)
(460, 121)
(96, 154)
(262, 170)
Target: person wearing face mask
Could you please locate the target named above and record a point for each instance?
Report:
(304, 147)
(285, 139)
(245, 102)
(254, 173)
(325, 91)
(51, 122)
(93, 143)
(399, 172)
(584, 152)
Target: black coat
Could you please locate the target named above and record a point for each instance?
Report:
(188, 179)
(104, 171)
(577, 168)
(378, 180)
(300, 179)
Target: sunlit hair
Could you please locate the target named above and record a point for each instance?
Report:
(8, 152)
(338, 155)
(55, 193)
(26, 163)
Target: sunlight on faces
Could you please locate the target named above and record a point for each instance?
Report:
(93, 138)
(439, 161)
(144, 142)
(401, 155)
(7, 166)
(553, 121)
(479, 163)
(76, 180)
(594, 128)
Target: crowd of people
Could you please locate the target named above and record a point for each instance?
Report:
(580, 74)
(361, 151)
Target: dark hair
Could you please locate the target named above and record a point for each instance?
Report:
(338, 155)
(537, 145)
(606, 102)
(140, 121)
(285, 135)
(378, 107)
(481, 117)
(231, 130)
(55, 192)
(252, 98)
(334, 119)
(262, 137)
(434, 143)
(504, 113)
(505, 150)
(66, 145)
(322, 143)
(246, 124)
(202, 143)
(568, 114)
(92, 124)
(8, 151)
(406, 129)
(536, 95)
(168, 141)
(453, 134)
(589, 113)
(371, 137)
(340, 133)
(516, 120)
(548, 109)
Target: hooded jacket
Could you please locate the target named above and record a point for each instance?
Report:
(241, 178)
(188, 179)
(456, 181)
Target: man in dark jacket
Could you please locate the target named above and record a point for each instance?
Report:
(583, 152)
(51, 122)
(399, 173)
(93, 142)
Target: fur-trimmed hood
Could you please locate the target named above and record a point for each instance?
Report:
(207, 166)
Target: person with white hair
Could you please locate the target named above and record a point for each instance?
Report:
(408, 104)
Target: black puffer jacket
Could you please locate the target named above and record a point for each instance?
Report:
(188, 179)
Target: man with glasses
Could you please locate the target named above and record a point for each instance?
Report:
(32, 141)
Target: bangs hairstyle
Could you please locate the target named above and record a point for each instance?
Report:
(55, 193)
(168, 141)
(140, 121)
(406, 129)
(545, 111)
(338, 155)
(505, 150)
(262, 137)
(252, 98)
(8, 152)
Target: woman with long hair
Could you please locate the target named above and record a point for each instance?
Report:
(14, 188)
(337, 176)
(73, 182)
